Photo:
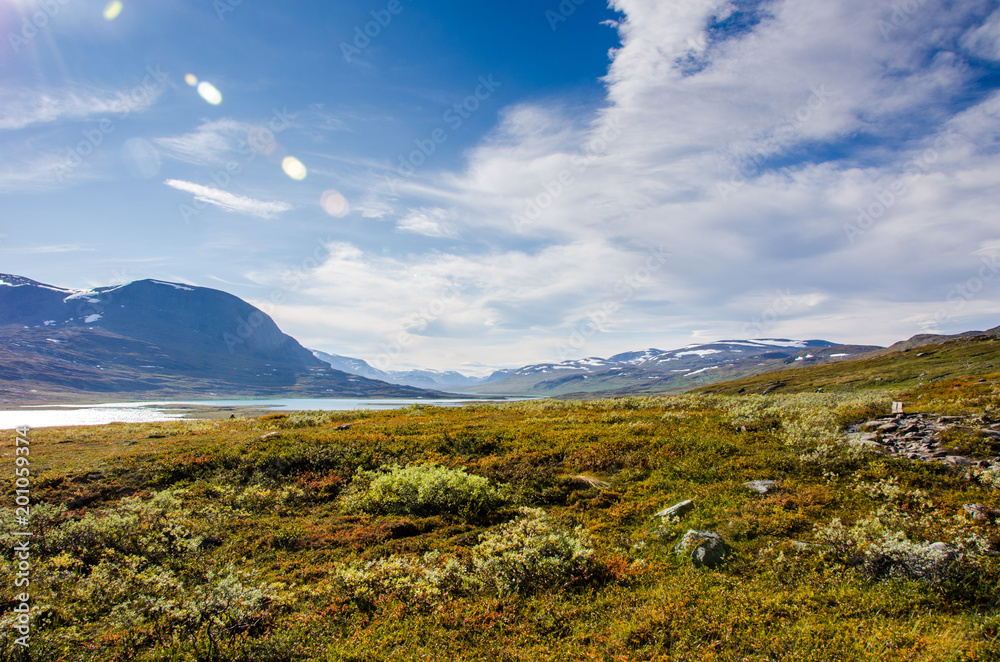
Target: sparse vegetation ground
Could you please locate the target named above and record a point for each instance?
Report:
(517, 531)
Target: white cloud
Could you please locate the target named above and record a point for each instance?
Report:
(27, 107)
(985, 40)
(22, 172)
(750, 168)
(428, 222)
(213, 142)
(230, 201)
(56, 248)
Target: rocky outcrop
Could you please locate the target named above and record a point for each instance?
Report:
(980, 512)
(918, 436)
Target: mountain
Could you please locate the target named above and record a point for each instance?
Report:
(152, 338)
(928, 361)
(668, 371)
(433, 379)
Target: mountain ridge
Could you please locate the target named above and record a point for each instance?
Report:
(154, 338)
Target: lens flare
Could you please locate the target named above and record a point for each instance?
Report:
(140, 158)
(294, 168)
(261, 140)
(209, 93)
(191, 79)
(334, 203)
(112, 10)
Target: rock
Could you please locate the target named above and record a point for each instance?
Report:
(888, 427)
(801, 545)
(981, 512)
(269, 435)
(871, 425)
(948, 419)
(761, 486)
(676, 510)
(958, 460)
(705, 548)
(345, 426)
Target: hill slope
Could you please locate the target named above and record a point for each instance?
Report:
(905, 368)
(154, 339)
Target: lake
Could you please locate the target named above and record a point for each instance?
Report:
(151, 412)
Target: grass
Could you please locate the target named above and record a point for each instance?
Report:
(242, 539)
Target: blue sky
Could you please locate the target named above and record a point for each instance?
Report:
(476, 185)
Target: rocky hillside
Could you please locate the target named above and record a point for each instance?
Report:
(154, 339)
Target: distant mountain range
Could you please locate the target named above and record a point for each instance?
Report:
(432, 379)
(668, 371)
(154, 339)
(650, 370)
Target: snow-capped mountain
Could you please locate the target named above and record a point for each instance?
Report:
(656, 370)
(151, 337)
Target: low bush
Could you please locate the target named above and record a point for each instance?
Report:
(424, 490)
(409, 579)
(532, 552)
(894, 543)
(155, 529)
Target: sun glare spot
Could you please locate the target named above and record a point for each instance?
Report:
(261, 140)
(294, 168)
(191, 79)
(140, 158)
(112, 10)
(334, 203)
(209, 93)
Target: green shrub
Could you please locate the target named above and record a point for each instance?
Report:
(896, 543)
(155, 529)
(989, 476)
(532, 552)
(424, 490)
(423, 580)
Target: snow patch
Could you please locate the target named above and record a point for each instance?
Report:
(780, 342)
(173, 285)
(714, 367)
(90, 319)
(836, 356)
(700, 352)
(48, 322)
(86, 295)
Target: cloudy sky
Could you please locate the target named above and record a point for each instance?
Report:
(461, 185)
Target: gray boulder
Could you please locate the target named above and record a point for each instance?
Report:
(704, 548)
(676, 510)
(761, 486)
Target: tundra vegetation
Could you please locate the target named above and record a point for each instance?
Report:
(519, 531)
